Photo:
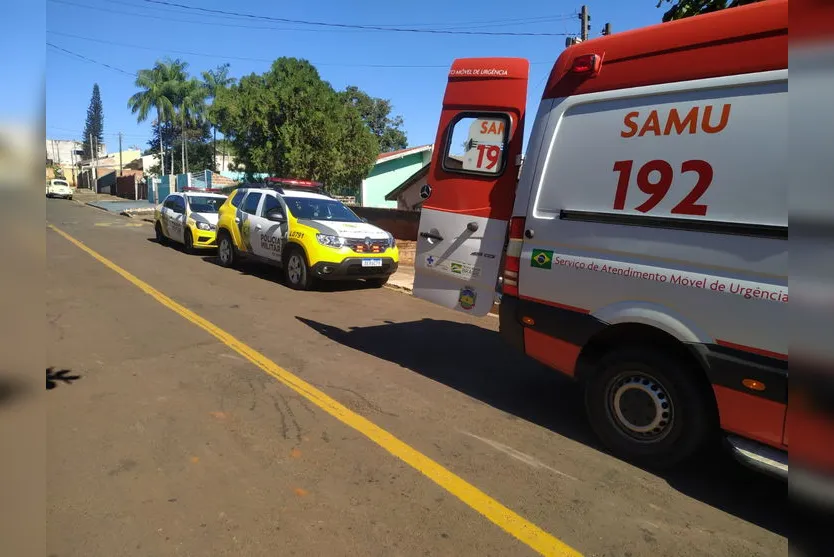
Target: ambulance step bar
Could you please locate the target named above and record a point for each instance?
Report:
(760, 456)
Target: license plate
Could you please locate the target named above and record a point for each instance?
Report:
(372, 262)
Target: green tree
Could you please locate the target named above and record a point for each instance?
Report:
(688, 8)
(191, 107)
(376, 113)
(214, 80)
(289, 122)
(94, 126)
(159, 89)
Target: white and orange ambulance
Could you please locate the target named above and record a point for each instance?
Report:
(644, 246)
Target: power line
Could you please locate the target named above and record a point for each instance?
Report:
(85, 58)
(191, 21)
(112, 134)
(480, 24)
(248, 59)
(239, 58)
(471, 24)
(351, 25)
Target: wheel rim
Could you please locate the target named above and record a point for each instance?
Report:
(640, 406)
(294, 269)
(225, 251)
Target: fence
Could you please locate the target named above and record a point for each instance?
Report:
(178, 182)
(402, 224)
(129, 187)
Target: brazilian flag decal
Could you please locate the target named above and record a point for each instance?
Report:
(541, 259)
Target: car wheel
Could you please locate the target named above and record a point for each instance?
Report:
(225, 250)
(189, 242)
(649, 407)
(297, 271)
(160, 237)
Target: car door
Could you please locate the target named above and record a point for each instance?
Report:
(247, 212)
(165, 214)
(269, 230)
(176, 222)
(468, 199)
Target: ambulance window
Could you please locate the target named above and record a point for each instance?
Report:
(476, 143)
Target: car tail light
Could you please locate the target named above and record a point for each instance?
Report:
(512, 263)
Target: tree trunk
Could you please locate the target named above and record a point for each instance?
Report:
(214, 160)
(159, 133)
(182, 147)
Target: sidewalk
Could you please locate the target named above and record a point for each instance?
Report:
(403, 280)
(112, 203)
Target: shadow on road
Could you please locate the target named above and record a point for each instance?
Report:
(477, 362)
(276, 274)
(12, 389)
(53, 377)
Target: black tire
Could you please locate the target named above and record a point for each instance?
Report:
(189, 242)
(377, 282)
(297, 271)
(226, 249)
(646, 379)
(160, 237)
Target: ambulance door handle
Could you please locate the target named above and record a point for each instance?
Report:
(430, 236)
(529, 234)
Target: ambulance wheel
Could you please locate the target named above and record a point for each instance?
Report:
(649, 407)
(160, 237)
(225, 249)
(296, 270)
(189, 242)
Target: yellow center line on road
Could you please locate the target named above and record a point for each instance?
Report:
(512, 523)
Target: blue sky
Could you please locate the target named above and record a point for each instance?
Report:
(132, 34)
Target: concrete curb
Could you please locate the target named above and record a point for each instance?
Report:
(89, 204)
(410, 291)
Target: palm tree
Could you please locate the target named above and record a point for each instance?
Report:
(158, 90)
(214, 80)
(191, 104)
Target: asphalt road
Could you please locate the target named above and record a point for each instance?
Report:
(163, 440)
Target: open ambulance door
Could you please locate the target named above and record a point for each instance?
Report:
(468, 198)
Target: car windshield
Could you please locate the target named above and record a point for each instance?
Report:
(315, 208)
(205, 204)
(59, 183)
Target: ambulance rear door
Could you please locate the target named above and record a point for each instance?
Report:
(468, 198)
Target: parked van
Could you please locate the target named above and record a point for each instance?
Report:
(644, 246)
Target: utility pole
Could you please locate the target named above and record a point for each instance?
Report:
(120, 154)
(74, 168)
(93, 166)
(585, 19)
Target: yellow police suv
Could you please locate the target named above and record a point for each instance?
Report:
(295, 225)
(190, 218)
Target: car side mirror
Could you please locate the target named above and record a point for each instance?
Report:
(275, 216)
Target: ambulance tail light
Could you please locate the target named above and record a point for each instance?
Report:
(512, 263)
(586, 64)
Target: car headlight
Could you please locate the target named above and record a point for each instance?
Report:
(330, 241)
(204, 225)
(392, 243)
